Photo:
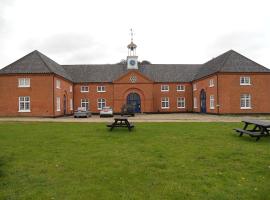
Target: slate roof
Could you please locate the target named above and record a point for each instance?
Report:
(35, 62)
(109, 73)
(230, 61)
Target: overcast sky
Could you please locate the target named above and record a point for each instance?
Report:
(167, 31)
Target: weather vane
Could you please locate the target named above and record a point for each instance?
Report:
(131, 34)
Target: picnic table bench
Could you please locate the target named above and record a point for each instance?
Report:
(120, 122)
(259, 128)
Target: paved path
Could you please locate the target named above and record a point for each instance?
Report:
(179, 117)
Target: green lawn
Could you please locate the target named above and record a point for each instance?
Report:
(155, 161)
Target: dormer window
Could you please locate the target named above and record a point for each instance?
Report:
(245, 80)
(24, 82)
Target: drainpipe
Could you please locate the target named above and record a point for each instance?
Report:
(53, 97)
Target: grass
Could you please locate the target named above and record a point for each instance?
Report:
(155, 161)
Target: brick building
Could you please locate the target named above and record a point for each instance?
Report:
(35, 85)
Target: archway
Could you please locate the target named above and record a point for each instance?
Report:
(134, 100)
(203, 101)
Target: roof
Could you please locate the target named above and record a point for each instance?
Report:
(109, 73)
(230, 61)
(33, 63)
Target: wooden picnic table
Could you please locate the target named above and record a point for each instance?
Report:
(120, 122)
(259, 128)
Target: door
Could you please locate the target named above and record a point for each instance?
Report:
(135, 100)
(203, 101)
(65, 104)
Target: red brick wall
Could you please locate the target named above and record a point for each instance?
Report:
(172, 94)
(63, 91)
(204, 85)
(40, 92)
(230, 91)
(93, 95)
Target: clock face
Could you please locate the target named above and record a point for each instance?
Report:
(132, 62)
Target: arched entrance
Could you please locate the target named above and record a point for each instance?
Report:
(203, 101)
(135, 100)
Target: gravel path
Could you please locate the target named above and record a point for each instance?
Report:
(179, 117)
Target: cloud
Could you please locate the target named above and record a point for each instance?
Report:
(251, 41)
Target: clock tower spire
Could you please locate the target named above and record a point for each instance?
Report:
(132, 59)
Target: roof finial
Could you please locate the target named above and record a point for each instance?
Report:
(131, 34)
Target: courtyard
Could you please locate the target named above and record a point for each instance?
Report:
(188, 160)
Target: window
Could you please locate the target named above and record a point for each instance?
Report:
(180, 88)
(70, 88)
(212, 102)
(24, 104)
(195, 103)
(24, 82)
(245, 101)
(58, 104)
(165, 103)
(71, 104)
(101, 89)
(101, 103)
(84, 89)
(245, 80)
(58, 84)
(194, 87)
(181, 102)
(85, 103)
(211, 83)
(164, 88)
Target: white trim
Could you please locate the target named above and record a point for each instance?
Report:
(24, 81)
(22, 111)
(211, 83)
(165, 100)
(194, 86)
(247, 99)
(70, 104)
(178, 101)
(245, 78)
(98, 103)
(58, 104)
(58, 84)
(184, 88)
(164, 90)
(99, 87)
(212, 102)
(84, 86)
(195, 103)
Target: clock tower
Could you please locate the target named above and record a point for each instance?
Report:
(132, 59)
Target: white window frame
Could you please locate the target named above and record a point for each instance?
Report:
(212, 102)
(58, 84)
(194, 86)
(24, 82)
(181, 100)
(101, 88)
(58, 104)
(245, 80)
(101, 103)
(180, 88)
(165, 88)
(245, 101)
(70, 88)
(211, 83)
(195, 103)
(83, 88)
(166, 102)
(85, 103)
(24, 100)
(71, 104)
